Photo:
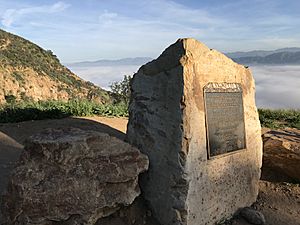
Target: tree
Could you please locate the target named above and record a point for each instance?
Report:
(121, 89)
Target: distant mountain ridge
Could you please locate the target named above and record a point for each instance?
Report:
(28, 72)
(116, 62)
(260, 53)
(283, 56)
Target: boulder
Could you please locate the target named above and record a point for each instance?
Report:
(282, 152)
(70, 173)
(168, 121)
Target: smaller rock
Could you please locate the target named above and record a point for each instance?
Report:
(73, 177)
(282, 152)
(253, 216)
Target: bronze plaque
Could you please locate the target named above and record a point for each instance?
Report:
(225, 124)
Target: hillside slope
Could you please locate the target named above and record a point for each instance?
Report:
(28, 72)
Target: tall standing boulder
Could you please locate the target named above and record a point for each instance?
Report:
(71, 174)
(192, 111)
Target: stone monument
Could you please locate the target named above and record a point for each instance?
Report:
(192, 111)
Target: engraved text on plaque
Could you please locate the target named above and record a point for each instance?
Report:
(224, 118)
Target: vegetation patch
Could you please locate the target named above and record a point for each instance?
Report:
(18, 77)
(29, 110)
(10, 99)
(280, 118)
(22, 111)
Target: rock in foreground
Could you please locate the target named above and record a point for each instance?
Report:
(282, 152)
(69, 173)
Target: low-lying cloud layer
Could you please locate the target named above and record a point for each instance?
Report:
(103, 76)
(276, 86)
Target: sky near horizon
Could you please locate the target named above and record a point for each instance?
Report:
(79, 30)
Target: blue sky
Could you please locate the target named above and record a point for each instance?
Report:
(78, 30)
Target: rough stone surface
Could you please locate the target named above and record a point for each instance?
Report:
(72, 175)
(167, 122)
(253, 216)
(282, 152)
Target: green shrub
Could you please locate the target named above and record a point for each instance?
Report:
(10, 99)
(28, 110)
(279, 118)
(18, 77)
(23, 111)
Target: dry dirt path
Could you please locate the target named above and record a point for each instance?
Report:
(280, 202)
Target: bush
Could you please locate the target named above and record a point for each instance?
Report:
(57, 109)
(21, 111)
(279, 118)
(10, 99)
(19, 77)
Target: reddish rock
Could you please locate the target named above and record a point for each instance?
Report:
(282, 152)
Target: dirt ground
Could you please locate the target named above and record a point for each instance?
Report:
(278, 199)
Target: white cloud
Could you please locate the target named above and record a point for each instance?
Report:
(8, 17)
(12, 15)
(277, 86)
(158, 24)
(59, 6)
(104, 75)
(107, 18)
(97, 29)
(165, 15)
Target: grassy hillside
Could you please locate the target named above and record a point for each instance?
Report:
(28, 72)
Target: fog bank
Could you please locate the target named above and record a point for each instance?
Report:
(276, 86)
